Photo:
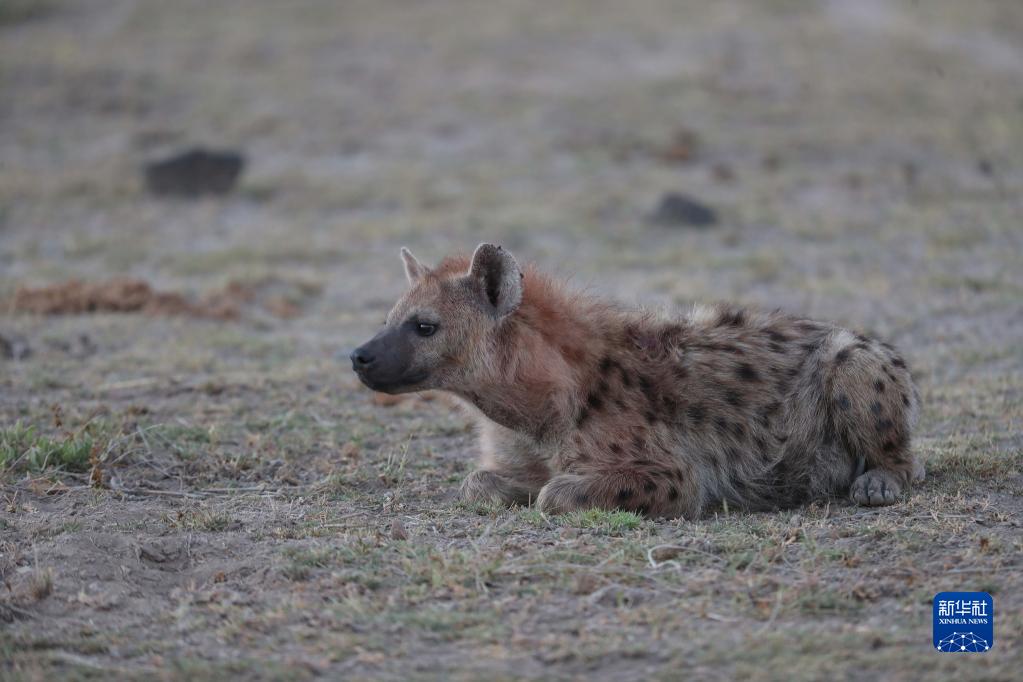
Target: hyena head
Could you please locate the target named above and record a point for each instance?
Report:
(442, 332)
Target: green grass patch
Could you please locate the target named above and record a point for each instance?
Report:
(610, 522)
(23, 448)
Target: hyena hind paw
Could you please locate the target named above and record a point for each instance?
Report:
(875, 488)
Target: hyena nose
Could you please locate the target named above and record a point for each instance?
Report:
(361, 358)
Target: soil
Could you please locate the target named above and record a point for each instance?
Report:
(235, 504)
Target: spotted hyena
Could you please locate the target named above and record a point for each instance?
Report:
(584, 403)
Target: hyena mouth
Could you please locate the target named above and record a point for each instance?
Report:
(402, 384)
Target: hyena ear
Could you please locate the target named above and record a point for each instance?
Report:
(414, 270)
(499, 278)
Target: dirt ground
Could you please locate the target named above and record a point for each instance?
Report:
(201, 497)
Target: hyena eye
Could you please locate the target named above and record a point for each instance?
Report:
(425, 329)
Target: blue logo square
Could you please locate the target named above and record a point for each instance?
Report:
(964, 622)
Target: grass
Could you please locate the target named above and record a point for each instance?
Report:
(601, 521)
(23, 448)
(302, 562)
(208, 520)
(370, 125)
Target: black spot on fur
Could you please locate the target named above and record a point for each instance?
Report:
(680, 372)
(879, 386)
(842, 356)
(620, 402)
(746, 372)
(884, 425)
(697, 413)
(905, 400)
(649, 486)
(721, 426)
(842, 401)
(624, 495)
(672, 493)
(899, 362)
(777, 347)
(602, 387)
(776, 336)
(771, 409)
(810, 347)
(732, 318)
(641, 462)
(638, 442)
(584, 414)
(605, 364)
(650, 416)
(616, 448)
(733, 398)
(626, 379)
(875, 407)
(582, 499)
(594, 401)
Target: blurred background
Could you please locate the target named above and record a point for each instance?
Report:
(856, 160)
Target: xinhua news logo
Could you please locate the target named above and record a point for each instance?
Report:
(964, 622)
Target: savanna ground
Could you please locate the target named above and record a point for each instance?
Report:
(200, 498)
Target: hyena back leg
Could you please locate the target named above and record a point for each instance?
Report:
(874, 405)
(490, 487)
(642, 493)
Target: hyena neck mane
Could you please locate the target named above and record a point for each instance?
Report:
(544, 355)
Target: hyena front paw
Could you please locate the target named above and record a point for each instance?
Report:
(875, 488)
(488, 487)
(562, 494)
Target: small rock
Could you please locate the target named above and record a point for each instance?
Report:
(666, 553)
(676, 210)
(587, 583)
(13, 348)
(194, 173)
(398, 531)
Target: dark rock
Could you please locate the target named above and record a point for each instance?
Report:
(13, 348)
(677, 209)
(194, 173)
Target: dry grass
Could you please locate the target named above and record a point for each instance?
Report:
(240, 516)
